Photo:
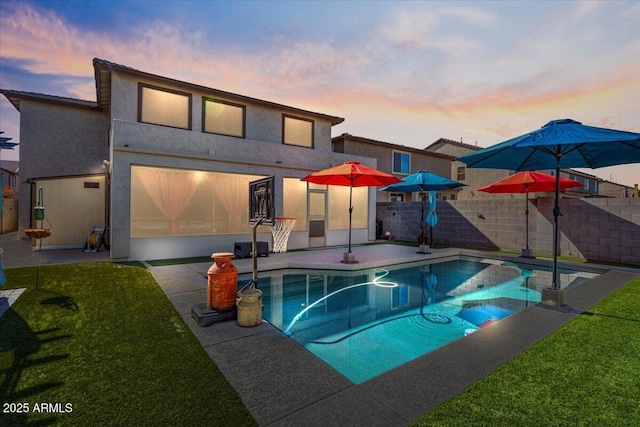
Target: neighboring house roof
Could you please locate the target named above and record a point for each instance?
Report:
(103, 70)
(10, 165)
(582, 174)
(391, 145)
(444, 141)
(15, 96)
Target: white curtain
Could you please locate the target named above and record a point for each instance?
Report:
(233, 192)
(170, 190)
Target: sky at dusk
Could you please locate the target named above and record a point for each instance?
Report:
(401, 72)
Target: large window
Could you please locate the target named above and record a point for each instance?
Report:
(297, 131)
(223, 117)
(164, 107)
(294, 200)
(339, 207)
(178, 202)
(401, 162)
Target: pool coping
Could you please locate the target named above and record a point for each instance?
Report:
(283, 384)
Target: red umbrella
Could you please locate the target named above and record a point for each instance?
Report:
(529, 181)
(351, 174)
(525, 182)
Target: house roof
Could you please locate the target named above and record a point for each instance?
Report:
(391, 145)
(104, 69)
(10, 165)
(15, 96)
(444, 141)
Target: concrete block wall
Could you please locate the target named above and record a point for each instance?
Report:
(601, 229)
(593, 229)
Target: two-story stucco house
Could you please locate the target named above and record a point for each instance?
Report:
(166, 165)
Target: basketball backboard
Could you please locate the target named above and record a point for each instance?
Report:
(261, 201)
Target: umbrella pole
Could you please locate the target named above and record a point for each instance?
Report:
(527, 253)
(526, 213)
(422, 216)
(556, 229)
(422, 245)
(348, 257)
(350, 212)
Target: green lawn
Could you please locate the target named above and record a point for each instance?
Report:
(587, 373)
(106, 340)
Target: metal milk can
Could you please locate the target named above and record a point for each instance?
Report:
(250, 307)
(223, 282)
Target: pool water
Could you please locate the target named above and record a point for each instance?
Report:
(367, 322)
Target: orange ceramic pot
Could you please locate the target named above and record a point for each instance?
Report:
(223, 282)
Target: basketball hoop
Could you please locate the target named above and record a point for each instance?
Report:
(280, 230)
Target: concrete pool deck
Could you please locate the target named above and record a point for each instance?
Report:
(282, 384)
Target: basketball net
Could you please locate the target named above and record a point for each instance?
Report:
(280, 231)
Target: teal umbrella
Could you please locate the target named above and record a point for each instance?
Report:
(3, 279)
(432, 218)
(422, 181)
(559, 144)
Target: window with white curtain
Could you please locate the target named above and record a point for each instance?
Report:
(297, 131)
(338, 211)
(223, 117)
(180, 202)
(164, 107)
(294, 202)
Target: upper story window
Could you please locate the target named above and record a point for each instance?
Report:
(297, 131)
(223, 117)
(401, 162)
(461, 175)
(164, 107)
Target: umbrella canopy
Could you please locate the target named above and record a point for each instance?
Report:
(3, 279)
(529, 182)
(5, 144)
(526, 182)
(425, 181)
(560, 143)
(351, 174)
(432, 218)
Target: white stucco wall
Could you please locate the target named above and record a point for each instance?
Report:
(262, 123)
(56, 141)
(150, 145)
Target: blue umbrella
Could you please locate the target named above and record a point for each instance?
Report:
(560, 143)
(432, 218)
(2, 276)
(422, 181)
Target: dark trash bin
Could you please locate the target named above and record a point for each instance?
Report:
(378, 229)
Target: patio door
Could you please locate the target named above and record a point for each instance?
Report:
(317, 217)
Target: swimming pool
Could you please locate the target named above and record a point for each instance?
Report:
(366, 322)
